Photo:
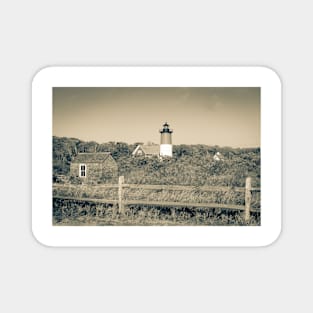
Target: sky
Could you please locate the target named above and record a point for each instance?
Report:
(223, 116)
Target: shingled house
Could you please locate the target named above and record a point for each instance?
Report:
(94, 167)
(147, 150)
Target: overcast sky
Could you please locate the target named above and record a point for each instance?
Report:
(212, 116)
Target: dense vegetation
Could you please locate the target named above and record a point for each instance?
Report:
(190, 165)
(71, 213)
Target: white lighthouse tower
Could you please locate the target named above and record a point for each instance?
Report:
(166, 147)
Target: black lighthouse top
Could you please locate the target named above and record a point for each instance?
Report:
(166, 129)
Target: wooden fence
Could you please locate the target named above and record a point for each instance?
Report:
(246, 208)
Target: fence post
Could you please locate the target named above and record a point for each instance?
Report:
(173, 213)
(120, 194)
(248, 198)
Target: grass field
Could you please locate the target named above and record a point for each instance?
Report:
(80, 213)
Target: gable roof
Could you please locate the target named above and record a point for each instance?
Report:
(218, 156)
(151, 149)
(97, 157)
(148, 149)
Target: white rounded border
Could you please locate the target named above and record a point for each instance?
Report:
(162, 236)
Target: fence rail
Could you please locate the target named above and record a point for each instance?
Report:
(247, 190)
(109, 201)
(164, 187)
(162, 203)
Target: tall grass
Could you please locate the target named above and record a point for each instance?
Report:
(73, 212)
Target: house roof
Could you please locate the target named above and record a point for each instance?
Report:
(151, 149)
(148, 149)
(97, 157)
(218, 156)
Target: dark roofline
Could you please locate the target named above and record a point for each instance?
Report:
(91, 157)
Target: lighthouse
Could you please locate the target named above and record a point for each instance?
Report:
(166, 147)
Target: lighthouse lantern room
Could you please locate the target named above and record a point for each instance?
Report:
(166, 147)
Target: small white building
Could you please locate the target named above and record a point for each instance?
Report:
(146, 150)
(218, 156)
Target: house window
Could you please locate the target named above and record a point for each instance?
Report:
(82, 170)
